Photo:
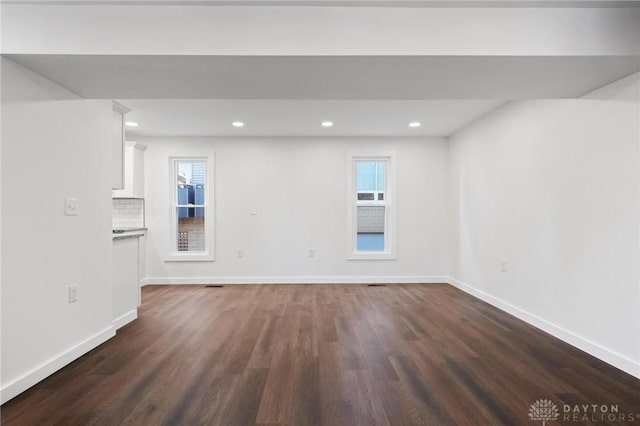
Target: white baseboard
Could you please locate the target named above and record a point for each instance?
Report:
(46, 369)
(617, 360)
(125, 319)
(406, 279)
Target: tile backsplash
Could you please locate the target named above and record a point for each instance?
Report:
(128, 213)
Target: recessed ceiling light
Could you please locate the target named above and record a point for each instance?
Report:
(327, 123)
(415, 124)
(237, 124)
(131, 123)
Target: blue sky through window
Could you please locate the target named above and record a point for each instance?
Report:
(370, 176)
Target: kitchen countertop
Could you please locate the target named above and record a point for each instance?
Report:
(124, 233)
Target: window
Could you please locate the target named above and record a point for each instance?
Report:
(191, 235)
(371, 215)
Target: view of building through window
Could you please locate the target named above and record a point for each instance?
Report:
(190, 206)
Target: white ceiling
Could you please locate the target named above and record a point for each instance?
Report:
(302, 117)
(193, 70)
(291, 95)
(330, 77)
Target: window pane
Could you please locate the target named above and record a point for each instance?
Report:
(190, 232)
(380, 176)
(191, 182)
(198, 200)
(370, 178)
(366, 175)
(191, 172)
(190, 196)
(370, 228)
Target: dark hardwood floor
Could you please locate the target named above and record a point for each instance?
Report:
(322, 355)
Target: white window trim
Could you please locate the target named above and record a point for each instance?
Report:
(390, 205)
(209, 212)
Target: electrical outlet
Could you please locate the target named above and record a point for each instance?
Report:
(71, 206)
(312, 252)
(239, 253)
(254, 211)
(504, 265)
(73, 293)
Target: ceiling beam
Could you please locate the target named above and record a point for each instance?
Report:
(141, 29)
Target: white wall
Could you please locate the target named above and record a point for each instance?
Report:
(552, 187)
(54, 145)
(298, 186)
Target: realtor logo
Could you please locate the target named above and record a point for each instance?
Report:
(544, 410)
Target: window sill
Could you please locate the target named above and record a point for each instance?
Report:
(189, 257)
(384, 255)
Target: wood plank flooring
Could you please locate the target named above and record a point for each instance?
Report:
(321, 355)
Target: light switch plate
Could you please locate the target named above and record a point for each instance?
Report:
(73, 293)
(71, 206)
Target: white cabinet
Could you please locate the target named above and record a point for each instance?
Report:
(133, 172)
(117, 141)
(142, 264)
(126, 287)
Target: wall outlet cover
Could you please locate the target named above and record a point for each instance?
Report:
(71, 206)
